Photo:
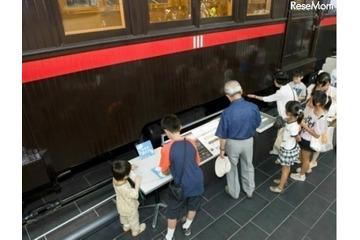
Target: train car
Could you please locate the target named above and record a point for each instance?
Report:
(96, 72)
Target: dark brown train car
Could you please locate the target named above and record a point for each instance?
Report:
(86, 93)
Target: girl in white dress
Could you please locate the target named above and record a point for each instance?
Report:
(289, 150)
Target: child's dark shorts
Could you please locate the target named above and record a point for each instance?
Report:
(305, 145)
(174, 207)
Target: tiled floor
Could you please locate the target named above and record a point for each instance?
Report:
(307, 210)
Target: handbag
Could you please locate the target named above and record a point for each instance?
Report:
(175, 190)
(317, 145)
(279, 138)
(279, 122)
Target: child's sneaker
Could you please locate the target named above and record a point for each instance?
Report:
(142, 228)
(298, 177)
(187, 232)
(298, 170)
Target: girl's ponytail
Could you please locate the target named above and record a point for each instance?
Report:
(328, 103)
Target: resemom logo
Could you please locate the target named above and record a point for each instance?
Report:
(311, 6)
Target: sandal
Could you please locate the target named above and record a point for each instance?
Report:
(277, 181)
(298, 170)
(276, 189)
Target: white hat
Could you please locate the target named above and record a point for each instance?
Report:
(222, 166)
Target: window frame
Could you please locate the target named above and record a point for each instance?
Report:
(260, 16)
(221, 19)
(170, 24)
(94, 35)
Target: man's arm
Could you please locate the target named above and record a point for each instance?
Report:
(271, 98)
(222, 147)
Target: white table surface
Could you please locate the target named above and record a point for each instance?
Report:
(149, 181)
(204, 133)
(267, 121)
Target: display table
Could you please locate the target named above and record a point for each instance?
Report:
(208, 146)
(263, 142)
(37, 170)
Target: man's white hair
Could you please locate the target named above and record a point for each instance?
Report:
(232, 87)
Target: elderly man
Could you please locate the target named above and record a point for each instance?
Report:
(236, 129)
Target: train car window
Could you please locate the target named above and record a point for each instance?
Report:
(215, 8)
(169, 10)
(258, 7)
(84, 16)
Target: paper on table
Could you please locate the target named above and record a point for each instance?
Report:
(157, 171)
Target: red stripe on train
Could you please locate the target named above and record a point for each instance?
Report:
(328, 21)
(57, 66)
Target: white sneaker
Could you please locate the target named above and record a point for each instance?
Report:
(298, 177)
(312, 165)
(298, 170)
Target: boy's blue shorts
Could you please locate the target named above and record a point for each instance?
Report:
(174, 207)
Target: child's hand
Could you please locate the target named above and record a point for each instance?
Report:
(134, 166)
(137, 179)
(167, 172)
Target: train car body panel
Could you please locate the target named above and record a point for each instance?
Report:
(86, 95)
(96, 110)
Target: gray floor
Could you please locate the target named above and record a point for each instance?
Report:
(307, 210)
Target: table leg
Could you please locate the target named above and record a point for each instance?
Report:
(157, 206)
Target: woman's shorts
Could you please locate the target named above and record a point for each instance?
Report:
(305, 145)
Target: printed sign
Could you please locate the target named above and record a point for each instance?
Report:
(145, 149)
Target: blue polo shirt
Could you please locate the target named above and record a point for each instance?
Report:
(239, 121)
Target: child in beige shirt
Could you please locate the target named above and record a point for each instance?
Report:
(127, 197)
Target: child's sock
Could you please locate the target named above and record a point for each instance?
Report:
(126, 225)
(170, 234)
(187, 224)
